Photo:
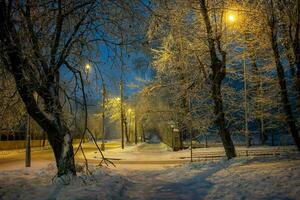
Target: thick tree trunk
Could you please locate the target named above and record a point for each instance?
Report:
(62, 147)
(286, 104)
(283, 87)
(218, 74)
(220, 121)
(296, 50)
(52, 122)
(292, 53)
(58, 134)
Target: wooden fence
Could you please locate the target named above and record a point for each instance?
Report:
(21, 144)
(244, 152)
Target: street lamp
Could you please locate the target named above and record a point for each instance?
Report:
(87, 68)
(103, 115)
(121, 109)
(232, 18)
(129, 111)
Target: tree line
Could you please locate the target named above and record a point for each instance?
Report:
(220, 64)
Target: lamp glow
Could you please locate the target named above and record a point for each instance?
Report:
(87, 67)
(231, 18)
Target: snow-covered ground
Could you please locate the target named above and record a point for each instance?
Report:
(275, 177)
(161, 152)
(247, 178)
(41, 184)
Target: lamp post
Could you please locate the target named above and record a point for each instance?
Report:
(28, 138)
(122, 115)
(129, 124)
(103, 116)
(232, 18)
(87, 68)
(191, 131)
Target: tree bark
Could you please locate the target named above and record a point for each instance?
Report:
(49, 120)
(218, 74)
(135, 129)
(61, 144)
(296, 50)
(282, 82)
(58, 134)
(220, 120)
(126, 131)
(291, 33)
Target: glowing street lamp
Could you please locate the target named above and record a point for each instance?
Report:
(129, 111)
(87, 68)
(231, 18)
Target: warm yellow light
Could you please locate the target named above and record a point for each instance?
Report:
(87, 67)
(231, 18)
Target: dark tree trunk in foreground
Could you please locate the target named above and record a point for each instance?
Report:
(282, 82)
(291, 31)
(220, 118)
(218, 74)
(36, 77)
(58, 134)
(61, 143)
(296, 51)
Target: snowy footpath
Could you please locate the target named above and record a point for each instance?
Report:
(251, 178)
(276, 177)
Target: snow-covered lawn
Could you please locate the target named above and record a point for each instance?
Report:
(242, 178)
(41, 184)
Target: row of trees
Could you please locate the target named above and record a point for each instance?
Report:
(197, 49)
(226, 64)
